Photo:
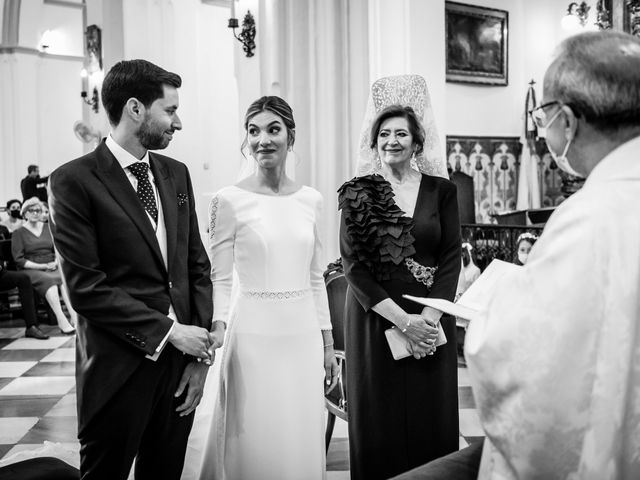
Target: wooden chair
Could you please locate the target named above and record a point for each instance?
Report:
(7, 297)
(336, 400)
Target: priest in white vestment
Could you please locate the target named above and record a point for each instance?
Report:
(555, 361)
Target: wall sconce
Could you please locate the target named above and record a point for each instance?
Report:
(603, 17)
(576, 17)
(93, 66)
(94, 101)
(248, 34)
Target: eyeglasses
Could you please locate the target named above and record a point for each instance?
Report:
(540, 117)
(34, 210)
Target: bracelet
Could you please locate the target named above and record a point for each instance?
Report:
(408, 325)
(328, 345)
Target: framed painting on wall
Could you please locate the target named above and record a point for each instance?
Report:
(476, 44)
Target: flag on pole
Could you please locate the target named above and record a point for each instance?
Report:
(529, 180)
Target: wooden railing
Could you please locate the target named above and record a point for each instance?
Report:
(494, 241)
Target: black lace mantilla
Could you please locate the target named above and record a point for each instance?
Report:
(380, 232)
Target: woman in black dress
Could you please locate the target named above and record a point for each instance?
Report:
(400, 234)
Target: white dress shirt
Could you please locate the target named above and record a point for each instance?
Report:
(125, 159)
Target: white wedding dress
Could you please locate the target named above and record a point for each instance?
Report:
(268, 421)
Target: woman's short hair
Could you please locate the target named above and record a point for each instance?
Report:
(597, 74)
(398, 111)
(12, 201)
(277, 106)
(30, 203)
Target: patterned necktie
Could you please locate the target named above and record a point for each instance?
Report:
(145, 192)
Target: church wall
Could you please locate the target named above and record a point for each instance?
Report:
(192, 39)
(40, 94)
(534, 32)
(407, 36)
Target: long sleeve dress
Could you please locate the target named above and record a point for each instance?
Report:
(269, 418)
(402, 413)
(25, 245)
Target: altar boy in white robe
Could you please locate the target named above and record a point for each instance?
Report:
(555, 362)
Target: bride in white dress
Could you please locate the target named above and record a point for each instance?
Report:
(269, 418)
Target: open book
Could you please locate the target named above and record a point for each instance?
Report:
(475, 299)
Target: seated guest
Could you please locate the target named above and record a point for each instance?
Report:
(32, 248)
(14, 221)
(21, 281)
(45, 213)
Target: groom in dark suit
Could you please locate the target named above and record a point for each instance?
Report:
(124, 224)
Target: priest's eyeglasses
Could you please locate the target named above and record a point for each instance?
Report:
(540, 117)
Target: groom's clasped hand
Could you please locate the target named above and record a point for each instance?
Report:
(200, 343)
(195, 341)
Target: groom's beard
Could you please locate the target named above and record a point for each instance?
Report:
(151, 136)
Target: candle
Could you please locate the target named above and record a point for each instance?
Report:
(85, 79)
(233, 8)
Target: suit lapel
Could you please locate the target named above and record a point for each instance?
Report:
(168, 197)
(115, 179)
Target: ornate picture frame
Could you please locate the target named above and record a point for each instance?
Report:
(476, 44)
(631, 17)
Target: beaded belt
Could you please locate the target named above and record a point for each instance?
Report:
(421, 273)
(270, 295)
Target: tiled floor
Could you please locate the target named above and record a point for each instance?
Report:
(37, 400)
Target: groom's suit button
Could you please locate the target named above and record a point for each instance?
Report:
(170, 284)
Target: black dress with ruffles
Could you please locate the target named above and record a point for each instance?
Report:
(402, 413)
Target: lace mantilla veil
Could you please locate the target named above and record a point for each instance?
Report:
(405, 90)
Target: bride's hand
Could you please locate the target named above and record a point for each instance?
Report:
(217, 334)
(331, 369)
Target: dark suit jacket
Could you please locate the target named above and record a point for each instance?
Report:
(113, 267)
(34, 187)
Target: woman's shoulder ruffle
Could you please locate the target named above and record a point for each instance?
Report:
(360, 185)
(379, 230)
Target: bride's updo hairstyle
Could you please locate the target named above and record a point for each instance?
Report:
(277, 106)
(398, 111)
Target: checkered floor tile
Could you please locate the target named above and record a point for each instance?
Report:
(37, 400)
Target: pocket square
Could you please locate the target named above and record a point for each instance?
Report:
(182, 198)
